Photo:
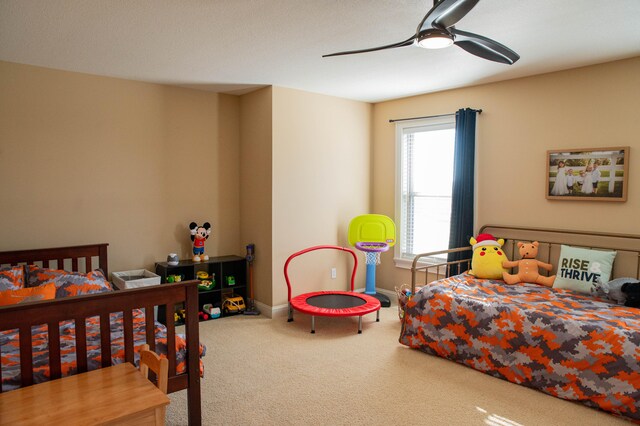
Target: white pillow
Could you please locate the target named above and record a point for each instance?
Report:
(579, 268)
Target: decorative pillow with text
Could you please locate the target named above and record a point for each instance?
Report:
(579, 268)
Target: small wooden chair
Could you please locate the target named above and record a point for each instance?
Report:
(149, 360)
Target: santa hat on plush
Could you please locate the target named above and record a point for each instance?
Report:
(485, 240)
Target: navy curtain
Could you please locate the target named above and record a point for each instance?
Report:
(462, 207)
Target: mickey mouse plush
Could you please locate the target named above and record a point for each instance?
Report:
(199, 235)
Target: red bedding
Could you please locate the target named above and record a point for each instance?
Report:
(10, 353)
(568, 345)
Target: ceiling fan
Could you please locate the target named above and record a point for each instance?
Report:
(437, 31)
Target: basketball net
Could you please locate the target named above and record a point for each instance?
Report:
(372, 251)
(372, 257)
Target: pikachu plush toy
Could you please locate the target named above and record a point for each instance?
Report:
(487, 258)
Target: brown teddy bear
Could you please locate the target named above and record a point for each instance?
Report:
(528, 267)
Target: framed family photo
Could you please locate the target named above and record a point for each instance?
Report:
(599, 174)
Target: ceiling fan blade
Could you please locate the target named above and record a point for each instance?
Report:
(484, 47)
(407, 42)
(446, 13)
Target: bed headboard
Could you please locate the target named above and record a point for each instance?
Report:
(74, 258)
(627, 246)
(626, 264)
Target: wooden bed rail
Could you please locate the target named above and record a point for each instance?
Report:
(79, 308)
(627, 247)
(46, 255)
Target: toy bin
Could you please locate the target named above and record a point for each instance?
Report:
(134, 279)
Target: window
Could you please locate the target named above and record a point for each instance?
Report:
(424, 179)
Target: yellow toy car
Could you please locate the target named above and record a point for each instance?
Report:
(233, 305)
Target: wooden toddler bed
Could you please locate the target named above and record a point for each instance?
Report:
(562, 342)
(49, 339)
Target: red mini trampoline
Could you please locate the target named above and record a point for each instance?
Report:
(331, 303)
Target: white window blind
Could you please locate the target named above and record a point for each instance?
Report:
(424, 181)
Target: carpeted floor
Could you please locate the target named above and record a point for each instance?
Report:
(261, 371)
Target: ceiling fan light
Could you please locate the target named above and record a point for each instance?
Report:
(435, 39)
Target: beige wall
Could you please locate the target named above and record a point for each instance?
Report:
(321, 157)
(87, 159)
(255, 186)
(595, 106)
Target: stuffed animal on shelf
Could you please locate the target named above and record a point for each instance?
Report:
(199, 235)
(528, 267)
(487, 257)
(631, 289)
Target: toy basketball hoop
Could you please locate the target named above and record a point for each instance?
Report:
(372, 234)
(372, 251)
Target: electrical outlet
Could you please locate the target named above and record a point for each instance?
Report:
(334, 273)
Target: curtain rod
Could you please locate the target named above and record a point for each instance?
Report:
(479, 111)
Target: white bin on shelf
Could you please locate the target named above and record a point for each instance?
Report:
(136, 278)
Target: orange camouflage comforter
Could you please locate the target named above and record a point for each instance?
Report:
(565, 344)
(10, 352)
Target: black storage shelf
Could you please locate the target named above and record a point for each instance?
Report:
(221, 266)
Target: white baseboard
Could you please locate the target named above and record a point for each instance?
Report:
(264, 309)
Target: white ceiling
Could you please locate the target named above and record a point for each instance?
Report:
(234, 45)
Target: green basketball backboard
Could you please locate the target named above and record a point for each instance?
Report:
(372, 228)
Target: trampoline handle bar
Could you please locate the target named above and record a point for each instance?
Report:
(301, 252)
